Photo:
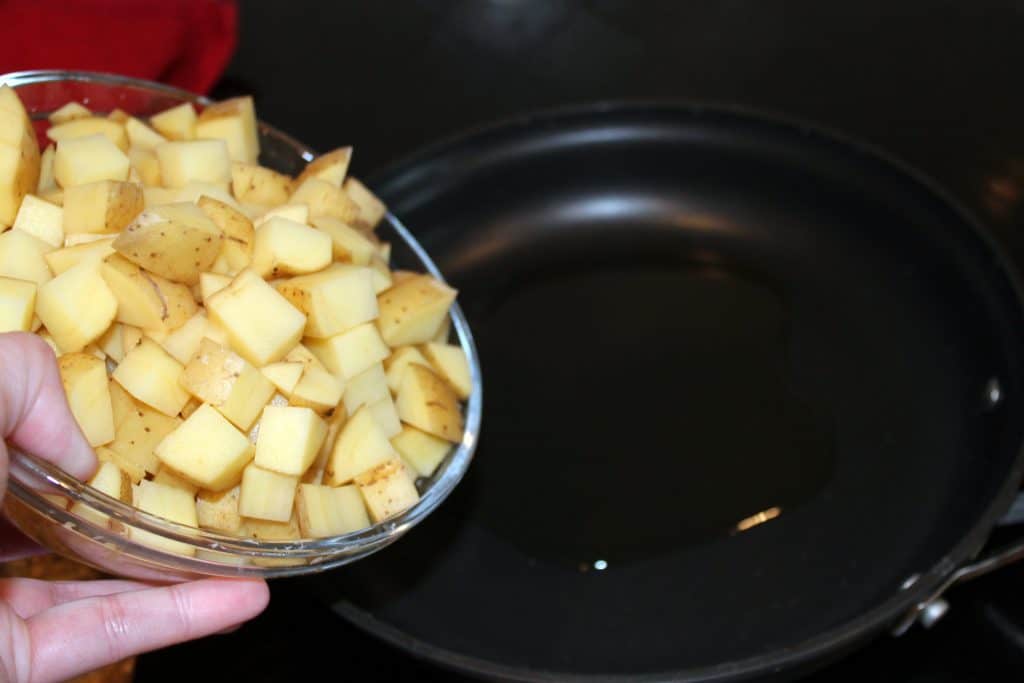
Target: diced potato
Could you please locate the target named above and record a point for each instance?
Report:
(255, 184)
(77, 307)
(41, 219)
(183, 343)
(261, 325)
(146, 300)
(108, 479)
(122, 404)
(234, 122)
(218, 376)
(371, 209)
(205, 161)
(267, 495)
(69, 112)
(381, 275)
(239, 234)
(315, 473)
(169, 478)
(89, 160)
(449, 362)
(398, 361)
(207, 450)
(47, 183)
(444, 331)
(424, 452)
(19, 172)
(317, 389)
(300, 354)
(334, 300)
(86, 126)
(170, 503)
(427, 402)
(360, 446)
(348, 244)
(349, 353)
(412, 310)
(386, 415)
(132, 337)
(331, 167)
(140, 135)
(324, 199)
(191, 192)
(284, 247)
(175, 241)
(145, 164)
(103, 207)
(324, 511)
(176, 123)
(111, 343)
(131, 470)
(293, 212)
(219, 511)
(388, 489)
(17, 304)
(85, 383)
(272, 531)
(211, 283)
(284, 375)
(22, 257)
(368, 386)
(289, 439)
(149, 374)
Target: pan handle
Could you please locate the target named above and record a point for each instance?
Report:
(930, 610)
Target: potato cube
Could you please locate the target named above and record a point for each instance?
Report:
(371, 209)
(267, 495)
(349, 353)
(293, 212)
(86, 126)
(398, 361)
(19, 155)
(255, 184)
(261, 325)
(101, 207)
(205, 161)
(424, 452)
(169, 478)
(170, 503)
(141, 136)
(284, 247)
(412, 310)
(331, 167)
(219, 511)
(317, 389)
(444, 331)
(360, 446)
(176, 123)
(315, 473)
(183, 343)
(22, 257)
(324, 199)
(386, 415)
(146, 300)
(449, 362)
(85, 383)
(41, 219)
(112, 481)
(234, 122)
(111, 343)
(388, 489)
(147, 169)
(265, 530)
(47, 183)
(347, 244)
(368, 386)
(77, 307)
(289, 439)
(134, 473)
(334, 300)
(220, 377)
(89, 160)
(17, 304)
(283, 375)
(239, 234)
(324, 511)
(69, 112)
(207, 450)
(149, 374)
(175, 241)
(427, 402)
(381, 275)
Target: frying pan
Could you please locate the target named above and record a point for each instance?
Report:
(753, 397)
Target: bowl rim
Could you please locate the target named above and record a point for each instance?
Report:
(26, 468)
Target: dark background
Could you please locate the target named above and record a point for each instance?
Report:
(937, 84)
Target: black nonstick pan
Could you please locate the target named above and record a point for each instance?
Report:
(753, 395)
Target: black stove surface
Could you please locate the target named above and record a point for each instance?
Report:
(935, 83)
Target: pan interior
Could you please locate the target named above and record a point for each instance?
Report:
(738, 389)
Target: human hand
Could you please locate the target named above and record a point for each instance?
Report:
(55, 630)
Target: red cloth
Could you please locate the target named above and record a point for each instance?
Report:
(186, 43)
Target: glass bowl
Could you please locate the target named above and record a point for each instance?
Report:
(40, 496)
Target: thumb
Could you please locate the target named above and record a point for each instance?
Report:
(34, 413)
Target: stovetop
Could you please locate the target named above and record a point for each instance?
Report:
(935, 83)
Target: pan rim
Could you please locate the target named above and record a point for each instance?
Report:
(849, 633)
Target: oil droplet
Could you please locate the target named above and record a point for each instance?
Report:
(993, 393)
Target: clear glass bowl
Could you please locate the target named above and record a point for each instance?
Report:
(39, 495)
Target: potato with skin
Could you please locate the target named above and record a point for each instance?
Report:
(255, 184)
(324, 199)
(371, 209)
(412, 310)
(85, 383)
(239, 234)
(219, 511)
(388, 489)
(220, 377)
(146, 300)
(76, 307)
(104, 207)
(426, 402)
(175, 241)
(332, 167)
